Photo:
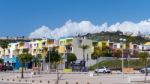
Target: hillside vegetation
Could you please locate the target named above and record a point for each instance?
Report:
(117, 64)
(115, 37)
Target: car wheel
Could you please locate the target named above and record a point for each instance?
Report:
(142, 71)
(104, 72)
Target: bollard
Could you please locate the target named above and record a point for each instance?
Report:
(88, 83)
(48, 81)
(40, 81)
(32, 80)
(66, 82)
(2, 79)
(7, 79)
(100, 83)
(13, 79)
(26, 80)
(76, 82)
(19, 80)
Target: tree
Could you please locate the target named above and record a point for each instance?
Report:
(97, 52)
(143, 57)
(54, 56)
(106, 51)
(84, 47)
(135, 53)
(55, 59)
(37, 61)
(117, 53)
(1, 61)
(4, 45)
(44, 53)
(24, 57)
(71, 57)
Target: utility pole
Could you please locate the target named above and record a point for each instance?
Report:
(49, 60)
(124, 40)
(122, 64)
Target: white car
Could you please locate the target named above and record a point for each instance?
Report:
(143, 70)
(103, 70)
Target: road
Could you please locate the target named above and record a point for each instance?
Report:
(72, 78)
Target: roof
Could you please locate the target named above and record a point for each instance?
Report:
(66, 38)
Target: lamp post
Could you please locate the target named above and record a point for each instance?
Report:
(49, 60)
(122, 64)
(124, 40)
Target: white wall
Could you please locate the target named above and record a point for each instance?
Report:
(78, 51)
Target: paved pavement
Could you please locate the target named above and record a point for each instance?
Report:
(13, 83)
(72, 78)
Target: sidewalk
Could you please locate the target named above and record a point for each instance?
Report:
(72, 78)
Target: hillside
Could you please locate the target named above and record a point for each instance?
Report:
(115, 37)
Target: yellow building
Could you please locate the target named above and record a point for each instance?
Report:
(63, 43)
(101, 44)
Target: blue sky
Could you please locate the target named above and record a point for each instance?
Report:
(21, 17)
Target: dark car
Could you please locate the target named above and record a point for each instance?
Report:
(4, 68)
(9, 68)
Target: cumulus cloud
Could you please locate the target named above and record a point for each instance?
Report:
(72, 28)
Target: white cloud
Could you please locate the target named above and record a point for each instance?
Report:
(71, 28)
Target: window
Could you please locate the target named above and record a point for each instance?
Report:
(43, 43)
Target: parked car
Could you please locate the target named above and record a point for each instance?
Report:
(103, 70)
(4, 67)
(143, 70)
(9, 68)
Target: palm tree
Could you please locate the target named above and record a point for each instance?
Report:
(144, 56)
(44, 53)
(84, 47)
(24, 57)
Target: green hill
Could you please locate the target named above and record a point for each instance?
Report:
(115, 37)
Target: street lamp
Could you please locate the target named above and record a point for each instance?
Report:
(49, 60)
(124, 40)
